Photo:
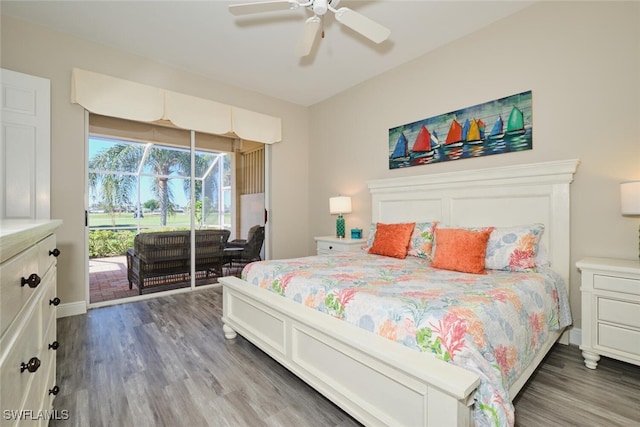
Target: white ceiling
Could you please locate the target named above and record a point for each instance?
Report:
(256, 52)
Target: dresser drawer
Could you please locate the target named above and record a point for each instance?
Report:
(618, 338)
(333, 247)
(326, 247)
(45, 258)
(46, 307)
(15, 384)
(620, 312)
(616, 284)
(33, 400)
(14, 295)
(48, 387)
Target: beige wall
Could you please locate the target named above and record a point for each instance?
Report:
(582, 62)
(35, 50)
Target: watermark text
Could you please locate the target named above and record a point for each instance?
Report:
(29, 414)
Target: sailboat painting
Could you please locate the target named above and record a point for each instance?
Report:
(500, 126)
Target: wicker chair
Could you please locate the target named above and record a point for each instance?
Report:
(162, 260)
(241, 252)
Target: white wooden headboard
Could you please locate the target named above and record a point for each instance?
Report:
(502, 196)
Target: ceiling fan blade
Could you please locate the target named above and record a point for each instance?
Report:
(266, 6)
(309, 35)
(363, 25)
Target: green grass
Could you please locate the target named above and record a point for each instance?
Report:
(103, 220)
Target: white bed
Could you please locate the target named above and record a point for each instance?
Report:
(358, 370)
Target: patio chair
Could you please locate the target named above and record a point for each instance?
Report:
(240, 252)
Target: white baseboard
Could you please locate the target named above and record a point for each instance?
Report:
(575, 336)
(71, 309)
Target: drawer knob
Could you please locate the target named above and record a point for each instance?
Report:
(55, 390)
(330, 247)
(54, 345)
(33, 281)
(32, 365)
(54, 301)
(54, 252)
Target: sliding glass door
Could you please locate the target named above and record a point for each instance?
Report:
(154, 201)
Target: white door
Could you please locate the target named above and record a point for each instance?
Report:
(25, 134)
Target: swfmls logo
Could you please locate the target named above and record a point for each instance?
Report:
(28, 414)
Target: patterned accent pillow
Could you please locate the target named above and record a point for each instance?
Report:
(421, 244)
(514, 248)
(392, 239)
(422, 239)
(371, 237)
(461, 250)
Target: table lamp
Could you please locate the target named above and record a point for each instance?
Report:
(340, 205)
(630, 201)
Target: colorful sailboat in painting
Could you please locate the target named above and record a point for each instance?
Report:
(496, 130)
(465, 129)
(401, 150)
(454, 137)
(474, 135)
(434, 140)
(515, 124)
(422, 145)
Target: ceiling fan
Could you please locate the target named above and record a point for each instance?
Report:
(348, 17)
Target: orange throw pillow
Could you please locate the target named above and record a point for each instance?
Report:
(461, 250)
(392, 239)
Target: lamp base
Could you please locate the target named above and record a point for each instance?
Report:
(340, 233)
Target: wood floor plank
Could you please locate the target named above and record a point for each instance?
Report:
(165, 362)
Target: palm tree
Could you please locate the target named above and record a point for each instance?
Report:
(163, 163)
(116, 188)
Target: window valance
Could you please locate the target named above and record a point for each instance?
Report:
(114, 97)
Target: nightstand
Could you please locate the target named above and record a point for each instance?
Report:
(610, 310)
(327, 245)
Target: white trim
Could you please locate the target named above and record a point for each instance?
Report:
(71, 309)
(85, 253)
(144, 297)
(267, 201)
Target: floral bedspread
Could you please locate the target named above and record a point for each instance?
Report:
(490, 324)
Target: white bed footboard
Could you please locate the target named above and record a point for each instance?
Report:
(372, 378)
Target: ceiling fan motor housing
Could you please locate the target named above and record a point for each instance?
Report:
(320, 7)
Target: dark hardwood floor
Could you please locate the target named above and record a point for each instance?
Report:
(165, 362)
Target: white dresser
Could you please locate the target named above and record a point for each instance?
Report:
(27, 321)
(327, 245)
(610, 310)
